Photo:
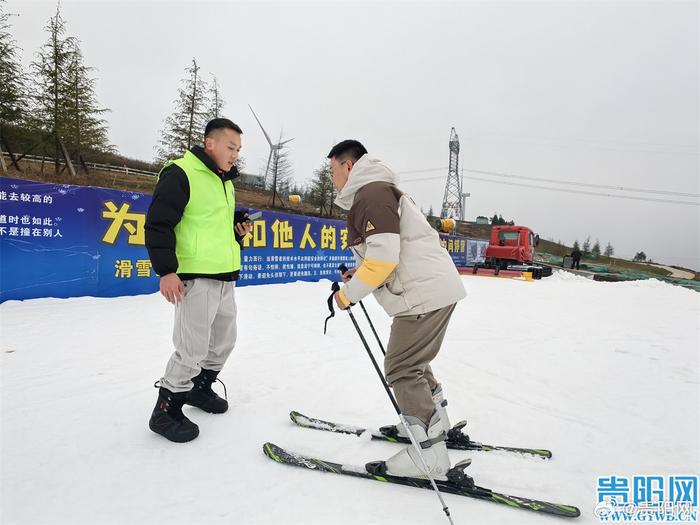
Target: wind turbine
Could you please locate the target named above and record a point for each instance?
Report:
(274, 150)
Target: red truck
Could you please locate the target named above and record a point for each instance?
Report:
(512, 249)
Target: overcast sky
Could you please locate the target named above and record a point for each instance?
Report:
(602, 93)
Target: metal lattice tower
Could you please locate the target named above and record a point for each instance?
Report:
(452, 202)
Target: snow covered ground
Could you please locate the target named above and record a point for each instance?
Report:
(605, 375)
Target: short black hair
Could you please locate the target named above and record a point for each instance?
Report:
(348, 149)
(221, 123)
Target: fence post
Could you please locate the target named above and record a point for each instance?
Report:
(2, 161)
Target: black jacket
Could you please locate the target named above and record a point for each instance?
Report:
(170, 197)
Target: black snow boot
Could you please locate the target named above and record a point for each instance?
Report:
(169, 421)
(202, 396)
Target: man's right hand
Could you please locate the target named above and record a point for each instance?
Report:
(348, 275)
(171, 288)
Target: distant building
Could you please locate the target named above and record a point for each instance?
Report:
(256, 181)
(482, 220)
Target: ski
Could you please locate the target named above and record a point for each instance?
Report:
(467, 489)
(456, 439)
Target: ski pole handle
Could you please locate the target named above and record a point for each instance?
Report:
(343, 270)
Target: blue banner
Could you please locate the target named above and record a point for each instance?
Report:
(456, 247)
(284, 247)
(60, 240)
(55, 241)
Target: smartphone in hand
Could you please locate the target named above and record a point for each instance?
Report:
(253, 216)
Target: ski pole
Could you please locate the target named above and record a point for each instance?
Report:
(335, 287)
(344, 269)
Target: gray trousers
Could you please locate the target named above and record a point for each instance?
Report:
(414, 342)
(204, 333)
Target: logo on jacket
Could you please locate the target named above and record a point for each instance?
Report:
(369, 227)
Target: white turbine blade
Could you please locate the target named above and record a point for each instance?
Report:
(267, 169)
(261, 126)
(283, 143)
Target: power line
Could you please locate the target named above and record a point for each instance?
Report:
(538, 179)
(573, 143)
(426, 170)
(589, 185)
(581, 192)
(619, 146)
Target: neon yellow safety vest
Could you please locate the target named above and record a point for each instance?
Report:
(204, 239)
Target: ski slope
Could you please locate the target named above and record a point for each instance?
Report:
(605, 375)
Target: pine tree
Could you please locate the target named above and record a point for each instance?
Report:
(13, 103)
(609, 251)
(587, 246)
(576, 246)
(282, 164)
(595, 251)
(431, 212)
(51, 104)
(320, 190)
(85, 130)
(216, 101)
(184, 128)
(640, 257)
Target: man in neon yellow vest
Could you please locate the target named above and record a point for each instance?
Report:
(195, 249)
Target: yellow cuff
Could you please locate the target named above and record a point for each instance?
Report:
(374, 272)
(343, 298)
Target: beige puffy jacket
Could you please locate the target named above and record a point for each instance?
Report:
(399, 256)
